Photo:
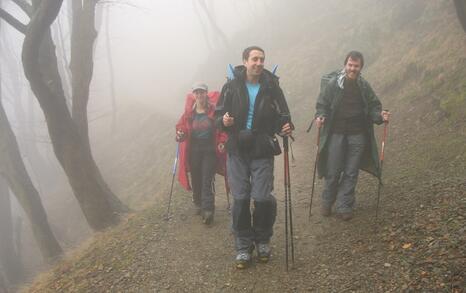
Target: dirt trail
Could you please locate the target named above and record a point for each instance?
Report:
(148, 254)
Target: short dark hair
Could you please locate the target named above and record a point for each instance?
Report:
(249, 49)
(355, 55)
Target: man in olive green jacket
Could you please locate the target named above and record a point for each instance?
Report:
(346, 110)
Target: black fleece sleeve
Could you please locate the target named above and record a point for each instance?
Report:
(282, 109)
(223, 106)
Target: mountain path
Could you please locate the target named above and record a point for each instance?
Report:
(150, 254)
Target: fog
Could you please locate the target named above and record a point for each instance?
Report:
(152, 51)
(157, 47)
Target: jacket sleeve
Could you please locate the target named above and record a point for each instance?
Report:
(223, 106)
(324, 101)
(182, 125)
(374, 105)
(282, 109)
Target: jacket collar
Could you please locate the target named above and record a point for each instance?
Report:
(266, 78)
(342, 76)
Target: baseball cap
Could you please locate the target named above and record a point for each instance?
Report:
(199, 86)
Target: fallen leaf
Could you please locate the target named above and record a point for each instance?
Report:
(407, 245)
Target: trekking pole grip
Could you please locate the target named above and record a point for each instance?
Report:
(318, 138)
(176, 158)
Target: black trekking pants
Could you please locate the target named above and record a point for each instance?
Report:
(202, 168)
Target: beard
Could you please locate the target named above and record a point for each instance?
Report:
(352, 74)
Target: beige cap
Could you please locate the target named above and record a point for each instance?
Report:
(199, 86)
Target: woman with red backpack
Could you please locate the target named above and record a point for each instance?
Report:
(201, 149)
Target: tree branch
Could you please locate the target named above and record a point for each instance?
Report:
(218, 32)
(11, 20)
(37, 29)
(203, 27)
(25, 6)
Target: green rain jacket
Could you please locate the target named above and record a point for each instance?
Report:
(328, 102)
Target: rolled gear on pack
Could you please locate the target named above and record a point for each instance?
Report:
(185, 126)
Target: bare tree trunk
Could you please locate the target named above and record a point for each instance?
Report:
(45, 163)
(9, 263)
(9, 260)
(13, 170)
(18, 233)
(204, 28)
(3, 283)
(460, 6)
(218, 33)
(71, 149)
(44, 171)
(26, 138)
(65, 69)
(98, 203)
(111, 70)
(82, 65)
(102, 15)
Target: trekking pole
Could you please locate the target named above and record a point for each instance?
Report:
(288, 205)
(227, 190)
(310, 126)
(315, 172)
(382, 154)
(167, 217)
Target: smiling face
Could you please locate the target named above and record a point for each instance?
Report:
(353, 68)
(254, 64)
(201, 97)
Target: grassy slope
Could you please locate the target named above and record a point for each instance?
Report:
(416, 63)
(136, 161)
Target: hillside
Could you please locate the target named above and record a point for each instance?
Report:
(416, 62)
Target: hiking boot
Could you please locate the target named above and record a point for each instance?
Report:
(263, 252)
(345, 216)
(325, 210)
(243, 259)
(208, 217)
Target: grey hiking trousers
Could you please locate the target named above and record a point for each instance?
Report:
(251, 178)
(344, 158)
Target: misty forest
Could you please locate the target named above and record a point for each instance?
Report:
(91, 193)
